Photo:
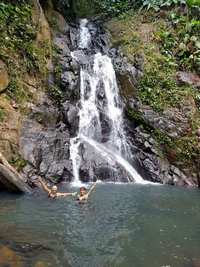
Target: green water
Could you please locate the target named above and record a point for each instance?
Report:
(120, 226)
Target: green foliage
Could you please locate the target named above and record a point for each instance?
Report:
(58, 71)
(187, 148)
(192, 3)
(15, 26)
(157, 4)
(158, 87)
(114, 7)
(180, 41)
(18, 48)
(117, 7)
(55, 93)
(16, 91)
(2, 114)
(18, 162)
(36, 56)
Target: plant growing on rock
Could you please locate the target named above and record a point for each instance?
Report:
(2, 114)
(180, 41)
(158, 4)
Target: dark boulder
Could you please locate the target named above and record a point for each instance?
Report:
(70, 117)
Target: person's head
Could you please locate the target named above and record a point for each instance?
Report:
(54, 189)
(83, 191)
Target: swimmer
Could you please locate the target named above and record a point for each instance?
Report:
(53, 191)
(84, 194)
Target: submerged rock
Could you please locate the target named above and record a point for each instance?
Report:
(9, 258)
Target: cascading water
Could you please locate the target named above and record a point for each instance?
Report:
(84, 34)
(99, 98)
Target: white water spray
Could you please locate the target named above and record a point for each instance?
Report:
(85, 36)
(105, 152)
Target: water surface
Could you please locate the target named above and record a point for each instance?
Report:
(120, 226)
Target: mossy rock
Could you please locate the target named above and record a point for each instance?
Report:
(4, 79)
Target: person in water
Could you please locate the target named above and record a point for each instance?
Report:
(53, 191)
(84, 194)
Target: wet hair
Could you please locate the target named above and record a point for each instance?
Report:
(83, 188)
(54, 187)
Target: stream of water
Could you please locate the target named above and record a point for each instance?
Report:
(120, 226)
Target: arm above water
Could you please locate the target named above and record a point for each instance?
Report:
(44, 186)
(66, 194)
(90, 191)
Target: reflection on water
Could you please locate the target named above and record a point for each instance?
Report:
(120, 226)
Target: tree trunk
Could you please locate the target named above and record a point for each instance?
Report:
(10, 179)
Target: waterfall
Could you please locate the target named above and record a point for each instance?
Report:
(101, 123)
(84, 34)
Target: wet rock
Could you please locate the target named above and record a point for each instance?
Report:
(46, 114)
(173, 121)
(80, 56)
(198, 132)
(4, 79)
(71, 116)
(188, 78)
(155, 165)
(61, 42)
(124, 67)
(45, 145)
(61, 24)
(94, 165)
(73, 36)
(69, 80)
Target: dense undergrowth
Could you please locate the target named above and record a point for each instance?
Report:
(116, 7)
(18, 47)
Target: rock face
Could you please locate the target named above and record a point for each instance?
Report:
(4, 79)
(44, 144)
(9, 130)
(39, 19)
(188, 78)
(45, 133)
(175, 122)
(156, 166)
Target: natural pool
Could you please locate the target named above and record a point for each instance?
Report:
(120, 226)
